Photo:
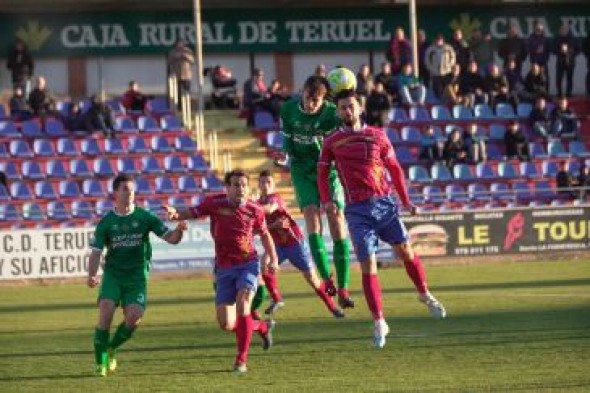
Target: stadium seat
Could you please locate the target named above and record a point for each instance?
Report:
(79, 168)
(180, 203)
(578, 149)
(90, 147)
(85, 105)
(463, 172)
(478, 192)
(67, 147)
(522, 191)
(483, 111)
(434, 194)
(544, 191)
(451, 127)
(419, 113)
(143, 186)
(461, 112)
(197, 163)
(159, 105)
(397, 114)
(197, 199)
(10, 170)
(117, 108)
(419, 174)
(63, 107)
(20, 191)
(188, 184)
(126, 165)
(57, 210)
(4, 113)
(173, 164)
(151, 165)
(505, 111)
(501, 192)
(392, 135)
(9, 213)
(456, 193)
(137, 146)
(102, 167)
(524, 109)
(20, 149)
(153, 204)
(529, 170)
(45, 190)
(55, 128)
(274, 140)
(160, 145)
(148, 124)
(537, 150)
(549, 168)
(93, 188)
(497, 132)
(43, 148)
(416, 195)
(404, 155)
(264, 120)
(164, 185)
(114, 146)
(440, 112)
(440, 172)
(69, 189)
(411, 135)
(82, 209)
(573, 167)
(33, 212)
(555, 149)
(171, 123)
(185, 144)
(494, 152)
(31, 129)
(507, 171)
(4, 194)
(485, 171)
(212, 184)
(8, 130)
(3, 151)
(103, 206)
(558, 202)
(125, 125)
(32, 170)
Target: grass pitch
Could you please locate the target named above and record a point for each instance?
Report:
(511, 327)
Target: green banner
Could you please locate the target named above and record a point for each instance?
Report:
(286, 30)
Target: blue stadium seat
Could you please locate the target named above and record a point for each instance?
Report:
(555, 149)
(55, 128)
(20, 191)
(188, 184)
(67, 147)
(126, 165)
(171, 123)
(69, 189)
(419, 174)
(212, 183)
(411, 135)
(180, 203)
(264, 120)
(494, 152)
(45, 190)
(43, 148)
(558, 202)
(11, 170)
(185, 144)
(505, 111)
(451, 127)
(32, 211)
(9, 213)
(173, 164)
(160, 145)
(82, 209)
(416, 195)
(573, 167)
(483, 111)
(501, 192)
(440, 172)
(85, 105)
(549, 168)
(79, 168)
(529, 170)
(90, 147)
(544, 191)
(461, 112)
(20, 149)
(159, 105)
(137, 146)
(93, 188)
(197, 163)
(524, 109)
(578, 149)
(102, 167)
(397, 114)
(114, 146)
(440, 112)
(32, 170)
(497, 132)
(404, 155)
(63, 107)
(151, 165)
(31, 129)
(148, 124)
(117, 108)
(153, 204)
(125, 125)
(103, 206)
(392, 135)
(507, 171)
(463, 172)
(143, 186)
(57, 210)
(4, 194)
(456, 193)
(4, 113)
(8, 130)
(483, 170)
(537, 150)
(3, 151)
(419, 113)
(274, 140)
(522, 191)
(478, 192)
(164, 185)
(434, 194)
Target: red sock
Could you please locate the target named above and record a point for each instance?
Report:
(270, 280)
(244, 327)
(372, 291)
(416, 273)
(260, 326)
(327, 299)
(343, 292)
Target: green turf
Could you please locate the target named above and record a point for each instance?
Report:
(511, 327)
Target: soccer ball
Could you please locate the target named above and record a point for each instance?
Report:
(340, 79)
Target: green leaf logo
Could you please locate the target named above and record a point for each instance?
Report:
(33, 35)
(466, 24)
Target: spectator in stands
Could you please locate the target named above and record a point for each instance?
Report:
(363, 81)
(535, 84)
(180, 64)
(378, 105)
(19, 108)
(482, 49)
(41, 100)
(99, 116)
(586, 50)
(76, 119)
(133, 99)
(455, 151)
(452, 94)
(564, 182)
(320, 70)
(411, 89)
(513, 77)
(3, 180)
(222, 77)
(496, 86)
(423, 45)
(512, 47)
(584, 181)
(472, 84)
(461, 48)
(399, 51)
(431, 148)
(276, 96)
(256, 96)
(538, 49)
(439, 59)
(564, 123)
(475, 143)
(388, 81)
(515, 142)
(539, 118)
(225, 92)
(566, 49)
(21, 65)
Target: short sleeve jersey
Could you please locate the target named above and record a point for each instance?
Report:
(126, 238)
(283, 236)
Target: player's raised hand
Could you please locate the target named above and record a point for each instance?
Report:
(171, 212)
(92, 281)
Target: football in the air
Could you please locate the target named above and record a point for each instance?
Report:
(340, 79)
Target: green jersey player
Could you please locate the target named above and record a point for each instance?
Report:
(305, 121)
(124, 232)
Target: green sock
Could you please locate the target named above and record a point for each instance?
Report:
(342, 262)
(320, 255)
(259, 297)
(122, 334)
(101, 342)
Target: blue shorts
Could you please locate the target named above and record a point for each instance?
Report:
(230, 280)
(372, 220)
(297, 254)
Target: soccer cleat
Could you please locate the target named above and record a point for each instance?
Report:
(267, 337)
(344, 299)
(329, 287)
(338, 313)
(100, 370)
(380, 333)
(112, 360)
(240, 368)
(274, 307)
(435, 307)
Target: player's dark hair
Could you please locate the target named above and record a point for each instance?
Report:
(121, 178)
(265, 173)
(350, 93)
(316, 85)
(234, 173)
(131, 83)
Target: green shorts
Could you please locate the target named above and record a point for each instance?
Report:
(124, 288)
(305, 183)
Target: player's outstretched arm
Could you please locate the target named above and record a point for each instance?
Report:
(176, 215)
(93, 265)
(271, 261)
(175, 236)
(399, 183)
